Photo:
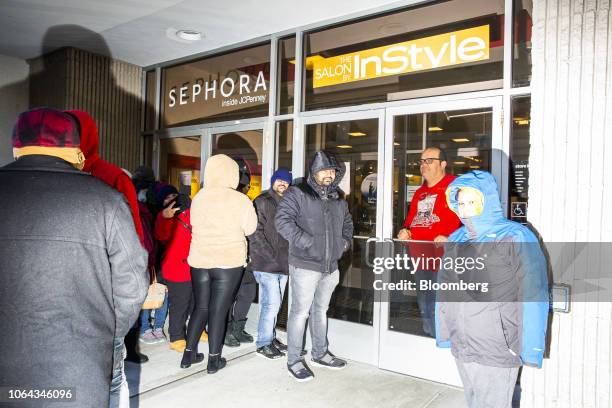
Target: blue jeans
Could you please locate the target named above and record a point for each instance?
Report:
(119, 391)
(311, 293)
(160, 317)
(271, 290)
(426, 300)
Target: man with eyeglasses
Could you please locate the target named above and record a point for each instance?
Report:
(429, 219)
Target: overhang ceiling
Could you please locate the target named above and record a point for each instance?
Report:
(140, 31)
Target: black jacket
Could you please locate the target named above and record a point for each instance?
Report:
(267, 248)
(72, 277)
(314, 220)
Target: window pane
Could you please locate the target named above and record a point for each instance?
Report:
(286, 66)
(225, 87)
(466, 138)
(179, 163)
(246, 148)
(284, 147)
(519, 159)
(356, 144)
(414, 53)
(521, 61)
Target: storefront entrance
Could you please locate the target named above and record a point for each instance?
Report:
(380, 149)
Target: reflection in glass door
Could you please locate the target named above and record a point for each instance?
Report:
(179, 163)
(467, 132)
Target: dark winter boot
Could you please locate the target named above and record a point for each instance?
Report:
(239, 332)
(215, 363)
(191, 357)
(131, 346)
(230, 337)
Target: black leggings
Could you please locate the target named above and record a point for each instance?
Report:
(213, 291)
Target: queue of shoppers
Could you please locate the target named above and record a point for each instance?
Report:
(82, 242)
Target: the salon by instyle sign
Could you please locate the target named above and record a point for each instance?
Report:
(443, 50)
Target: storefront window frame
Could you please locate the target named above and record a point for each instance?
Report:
(301, 118)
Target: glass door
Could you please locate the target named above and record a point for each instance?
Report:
(470, 133)
(246, 146)
(179, 161)
(356, 138)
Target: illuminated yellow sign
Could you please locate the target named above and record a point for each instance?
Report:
(458, 47)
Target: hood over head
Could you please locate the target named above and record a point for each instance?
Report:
(323, 160)
(90, 140)
(491, 213)
(221, 171)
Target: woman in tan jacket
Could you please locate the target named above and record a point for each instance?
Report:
(221, 218)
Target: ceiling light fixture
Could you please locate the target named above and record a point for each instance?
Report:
(356, 134)
(460, 140)
(189, 35)
(344, 147)
(434, 129)
(459, 162)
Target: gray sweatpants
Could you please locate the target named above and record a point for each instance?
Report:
(311, 292)
(486, 386)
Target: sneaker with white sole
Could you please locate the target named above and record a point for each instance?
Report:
(159, 335)
(148, 337)
(329, 361)
(300, 371)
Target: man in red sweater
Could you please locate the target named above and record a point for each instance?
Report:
(429, 219)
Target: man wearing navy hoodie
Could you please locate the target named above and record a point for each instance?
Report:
(492, 332)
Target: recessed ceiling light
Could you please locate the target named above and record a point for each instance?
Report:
(356, 134)
(396, 144)
(344, 147)
(434, 129)
(474, 167)
(522, 122)
(460, 140)
(189, 35)
(459, 162)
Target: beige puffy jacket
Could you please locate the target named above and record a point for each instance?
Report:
(221, 218)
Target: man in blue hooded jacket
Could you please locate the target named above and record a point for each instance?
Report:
(499, 325)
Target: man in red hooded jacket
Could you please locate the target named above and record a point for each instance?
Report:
(120, 181)
(103, 170)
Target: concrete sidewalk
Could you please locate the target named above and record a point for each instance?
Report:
(253, 381)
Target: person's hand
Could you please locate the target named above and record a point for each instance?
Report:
(404, 234)
(170, 210)
(440, 240)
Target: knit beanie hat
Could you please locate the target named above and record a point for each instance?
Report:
(48, 132)
(163, 190)
(281, 174)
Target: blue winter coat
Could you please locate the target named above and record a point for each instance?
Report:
(505, 327)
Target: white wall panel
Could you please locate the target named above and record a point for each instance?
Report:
(571, 189)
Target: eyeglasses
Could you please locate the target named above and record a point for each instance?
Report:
(429, 160)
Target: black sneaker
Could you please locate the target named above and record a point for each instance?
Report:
(300, 371)
(329, 361)
(270, 352)
(279, 345)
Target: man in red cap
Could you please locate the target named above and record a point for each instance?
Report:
(72, 270)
